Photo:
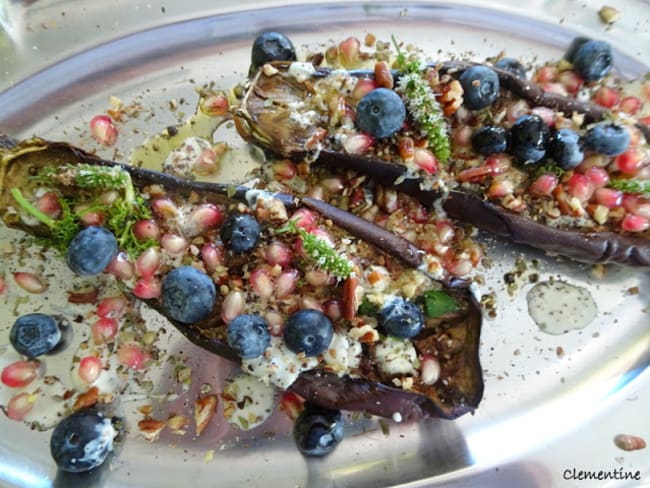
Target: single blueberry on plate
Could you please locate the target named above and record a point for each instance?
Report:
(607, 138)
(576, 43)
(188, 295)
(512, 66)
(309, 332)
(91, 251)
(565, 148)
(528, 138)
(380, 113)
(271, 46)
(249, 335)
(240, 232)
(480, 87)
(318, 430)
(401, 318)
(82, 441)
(490, 139)
(593, 60)
(34, 334)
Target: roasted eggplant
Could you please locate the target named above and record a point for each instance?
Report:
(451, 339)
(306, 118)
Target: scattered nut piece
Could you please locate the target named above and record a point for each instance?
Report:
(150, 429)
(608, 14)
(86, 400)
(629, 442)
(177, 423)
(204, 409)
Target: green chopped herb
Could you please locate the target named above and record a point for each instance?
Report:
(640, 187)
(437, 303)
(368, 308)
(547, 167)
(422, 105)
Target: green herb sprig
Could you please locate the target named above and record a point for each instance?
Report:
(639, 187)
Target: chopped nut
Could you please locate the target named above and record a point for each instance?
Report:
(177, 422)
(87, 399)
(204, 409)
(608, 14)
(150, 429)
(629, 442)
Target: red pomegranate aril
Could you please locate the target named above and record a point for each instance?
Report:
(20, 373)
(304, 218)
(546, 114)
(357, 143)
(317, 277)
(131, 355)
(581, 187)
(121, 267)
(634, 223)
(262, 283)
(104, 330)
(146, 288)
(498, 163)
(233, 306)
(49, 204)
(500, 188)
(174, 244)
(291, 404)
(630, 105)
(545, 74)
(103, 130)
(544, 184)
(277, 253)
(212, 256)
(630, 202)
(643, 209)
(598, 176)
(215, 105)
(164, 207)
(285, 169)
(463, 135)
(429, 369)
(275, 321)
(206, 216)
(146, 229)
(333, 309)
(90, 367)
(113, 307)
(608, 197)
(555, 89)
(20, 405)
(426, 161)
(88, 219)
(349, 50)
(286, 283)
(148, 263)
(606, 96)
(571, 81)
(445, 232)
(630, 161)
(363, 87)
(31, 282)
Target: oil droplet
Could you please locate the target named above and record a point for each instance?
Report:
(558, 307)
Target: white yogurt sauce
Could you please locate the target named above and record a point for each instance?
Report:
(247, 402)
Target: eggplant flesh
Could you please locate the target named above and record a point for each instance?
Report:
(260, 105)
(455, 341)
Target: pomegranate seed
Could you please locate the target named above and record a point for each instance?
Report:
(429, 369)
(606, 96)
(262, 283)
(146, 229)
(20, 373)
(286, 283)
(146, 288)
(609, 197)
(104, 330)
(426, 161)
(544, 185)
(215, 105)
(363, 87)
(630, 105)
(277, 253)
(30, 282)
(581, 187)
(333, 309)
(131, 355)
(317, 277)
(349, 50)
(555, 88)
(164, 207)
(498, 163)
(20, 405)
(148, 263)
(634, 223)
(546, 114)
(285, 169)
(571, 81)
(174, 244)
(291, 404)
(90, 218)
(305, 219)
(500, 188)
(121, 267)
(212, 256)
(275, 321)
(103, 130)
(90, 367)
(630, 202)
(630, 161)
(474, 175)
(351, 297)
(545, 74)
(206, 216)
(598, 176)
(642, 208)
(113, 307)
(49, 204)
(359, 143)
(233, 305)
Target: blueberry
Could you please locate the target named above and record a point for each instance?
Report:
(82, 441)
(271, 46)
(381, 113)
(528, 138)
(480, 87)
(249, 335)
(91, 250)
(188, 295)
(565, 148)
(593, 60)
(576, 44)
(490, 139)
(35, 334)
(318, 430)
(512, 66)
(401, 318)
(309, 332)
(607, 138)
(240, 232)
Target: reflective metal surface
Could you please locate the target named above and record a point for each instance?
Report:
(553, 404)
